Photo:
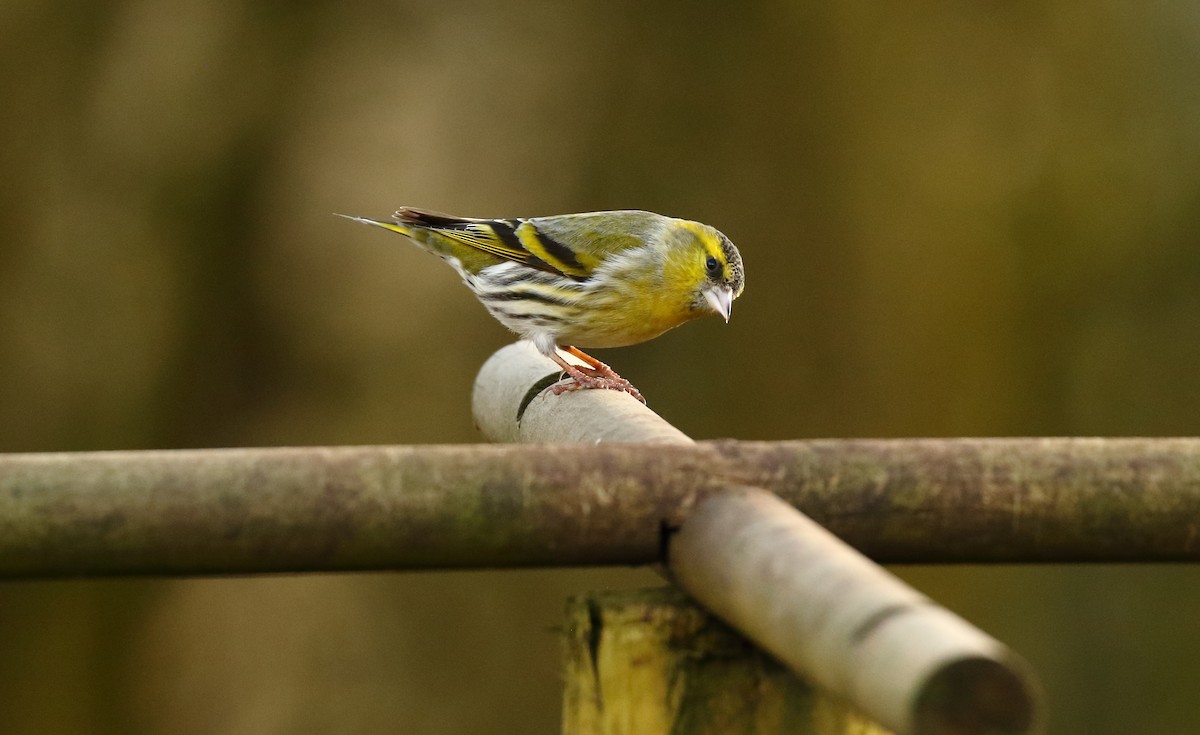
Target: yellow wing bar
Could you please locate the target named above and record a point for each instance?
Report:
(511, 239)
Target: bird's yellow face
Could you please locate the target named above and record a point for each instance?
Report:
(703, 267)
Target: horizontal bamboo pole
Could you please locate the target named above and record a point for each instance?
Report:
(279, 510)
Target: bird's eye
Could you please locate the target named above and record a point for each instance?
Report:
(713, 266)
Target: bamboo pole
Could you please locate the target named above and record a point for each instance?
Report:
(231, 511)
(799, 592)
(845, 623)
(512, 403)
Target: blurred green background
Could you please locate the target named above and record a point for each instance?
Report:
(957, 218)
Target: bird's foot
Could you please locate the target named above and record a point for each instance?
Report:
(596, 375)
(588, 381)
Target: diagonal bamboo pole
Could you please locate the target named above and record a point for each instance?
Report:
(789, 585)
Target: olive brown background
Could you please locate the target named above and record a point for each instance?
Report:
(958, 219)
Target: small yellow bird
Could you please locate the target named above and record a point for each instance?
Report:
(599, 279)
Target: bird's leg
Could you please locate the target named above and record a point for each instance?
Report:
(595, 375)
(601, 370)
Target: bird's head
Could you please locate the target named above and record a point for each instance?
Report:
(702, 261)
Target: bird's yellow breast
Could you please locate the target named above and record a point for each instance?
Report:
(632, 308)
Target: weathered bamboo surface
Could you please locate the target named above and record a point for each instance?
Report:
(312, 508)
(783, 581)
(511, 404)
(706, 512)
(845, 623)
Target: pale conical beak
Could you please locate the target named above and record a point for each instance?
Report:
(720, 299)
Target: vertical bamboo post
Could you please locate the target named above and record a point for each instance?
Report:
(650, 662)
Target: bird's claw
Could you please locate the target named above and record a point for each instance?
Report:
(589, 380)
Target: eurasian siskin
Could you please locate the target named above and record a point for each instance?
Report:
(599, 279)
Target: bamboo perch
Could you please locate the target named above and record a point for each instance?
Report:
(511, 404)
(234, 511)
(845, 623)
(794, 588)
